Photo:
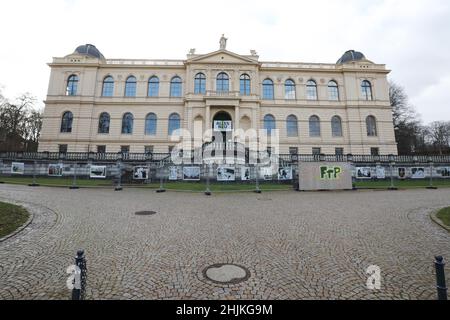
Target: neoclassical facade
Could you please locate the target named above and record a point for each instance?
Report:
(108, 105)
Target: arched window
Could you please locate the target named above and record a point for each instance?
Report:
(269, 123)
(103, 122)
(333, 91)
(66, 122)
(127, 123)
(289, 90)
(130, 87)
(72, 85)
(314, 126)
(222, 82)
(153, 87)
(268, 89)
(108, 87)
(292, 126)
(150, 124)
(371, 124)
(174, 123)
(244, 85)
(336, 126)
(175, 87)
(366, 90)
(311, 90)
(200, 83)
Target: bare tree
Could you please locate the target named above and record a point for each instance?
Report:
(402, 111)
(20, 124)
(439, 135)
(406, 121)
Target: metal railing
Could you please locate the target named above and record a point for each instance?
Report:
(156, 157)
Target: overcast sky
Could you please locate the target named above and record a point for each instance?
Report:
(411, 37)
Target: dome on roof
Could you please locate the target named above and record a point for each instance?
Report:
(351, 55)
(90, 50)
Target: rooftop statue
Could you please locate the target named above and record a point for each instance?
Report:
(223, 42)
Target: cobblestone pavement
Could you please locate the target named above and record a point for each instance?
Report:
(295, 245)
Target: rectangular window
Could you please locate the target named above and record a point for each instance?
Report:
(333, 93)
(374, 151)
(175, 89)
(270, 150)
(268, 91)
(316, 151)
(62, 148)
(153, 88)
(293, 150)
(244, 87)
(339, 151)
(148, 149)
(289, 93)
(125, 149)
(311, 93)
(101, 149)
(170, 149)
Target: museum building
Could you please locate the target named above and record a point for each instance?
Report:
(111, 105)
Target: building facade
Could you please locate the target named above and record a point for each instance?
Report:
(102, 105)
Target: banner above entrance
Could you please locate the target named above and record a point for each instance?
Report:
(223, 125)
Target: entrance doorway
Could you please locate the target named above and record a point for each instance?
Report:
(223, 123)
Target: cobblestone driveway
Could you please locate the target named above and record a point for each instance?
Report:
(296, 245)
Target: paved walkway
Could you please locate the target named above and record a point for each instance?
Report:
(295, 245)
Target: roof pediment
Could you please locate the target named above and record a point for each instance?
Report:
(223, 56)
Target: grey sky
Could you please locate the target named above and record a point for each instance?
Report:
(410, 37)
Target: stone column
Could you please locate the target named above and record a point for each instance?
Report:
(208, 117)
(237, 117)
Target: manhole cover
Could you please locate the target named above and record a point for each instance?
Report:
(226, 273)
(145, 213)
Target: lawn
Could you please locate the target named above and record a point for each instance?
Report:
(11, 218)
(444, 216)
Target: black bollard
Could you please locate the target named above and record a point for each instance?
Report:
(440, 278)
(80, 262)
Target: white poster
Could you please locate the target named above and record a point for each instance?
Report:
(140, 173)
(363, 173)
(223, 125)
(266, 173)
(381, 173)
(173, 173)
(402, 173)
(191, 173)
(443, 172)
(17, 168)
(226, 174)
(245, 173)
(98, 172)
(55, 170)
(418, 173)
(285, 173)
